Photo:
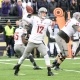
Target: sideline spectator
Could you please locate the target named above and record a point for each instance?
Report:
(48, 0)
(9, 38)
(14, 3)
(6, 6)
(64, 5)
(1, 28)
(34, 5)
(1, 6)
(51, 6)
(42, 3)
(78, 3)
(24, 4)
(17, 10)
(73, 7)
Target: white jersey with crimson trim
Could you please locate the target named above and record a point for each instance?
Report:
(17, 35)
(39, 28)
(68, 29)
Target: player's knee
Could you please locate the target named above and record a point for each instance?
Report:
(62, 57)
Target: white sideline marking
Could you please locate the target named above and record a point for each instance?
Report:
(34, 59)
(37, 59)
(71, 70)
(25, 59)
(5, 60)
(75, 63)
(7, 63)
(76, 58)
(22, 74)
(12, 64)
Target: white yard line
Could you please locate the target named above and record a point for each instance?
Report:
(75, 63)
(22, 65)
(7, 63)
(14, 64)
(22, 74)
(41, 67)
(34, 59)
(25, 59)
(7, 60)
(71, 70)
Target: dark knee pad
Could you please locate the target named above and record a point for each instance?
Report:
(62, 58)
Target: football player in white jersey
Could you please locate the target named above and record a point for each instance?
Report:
(63, 37)
(40, 24)
(51, 32)
(21, 38)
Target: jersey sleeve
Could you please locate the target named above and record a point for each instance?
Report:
(25, 35)
(27, 19)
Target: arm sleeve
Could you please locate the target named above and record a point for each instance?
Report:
(27, 19)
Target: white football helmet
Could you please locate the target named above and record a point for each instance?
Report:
(42, 9)
(76, 15)
(23, 24)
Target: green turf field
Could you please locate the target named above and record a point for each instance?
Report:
(71, 70)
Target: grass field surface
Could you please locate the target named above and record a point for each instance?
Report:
(71, 70)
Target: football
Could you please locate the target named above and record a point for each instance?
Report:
(29, 9)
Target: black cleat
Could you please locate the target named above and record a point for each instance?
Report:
(73, 56)
(53, 65)
(57, 68)
(14, 67)
(50, 73)
(16, 70)
(37, 68)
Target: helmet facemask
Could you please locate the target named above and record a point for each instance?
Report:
(42, 13)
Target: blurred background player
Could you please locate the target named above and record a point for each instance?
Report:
(63, 37)
(51, 32)
(40, 24)
(21, 40)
